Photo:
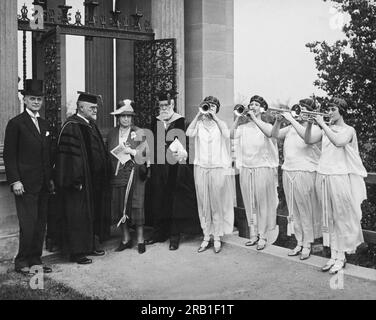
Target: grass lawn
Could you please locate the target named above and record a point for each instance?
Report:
(14, 286)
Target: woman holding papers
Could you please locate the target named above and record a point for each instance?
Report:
(340, 183)
(299, 176)
(212, 173)
(130, 168)
(256, 156)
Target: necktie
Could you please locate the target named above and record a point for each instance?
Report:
(35, 120)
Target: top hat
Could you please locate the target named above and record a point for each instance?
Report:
(124, 107)
(33, 87)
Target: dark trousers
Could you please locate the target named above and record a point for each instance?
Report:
(32, 217)
(164, 224)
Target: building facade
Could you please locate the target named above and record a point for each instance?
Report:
(203, 33)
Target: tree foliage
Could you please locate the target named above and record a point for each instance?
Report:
(348, 68)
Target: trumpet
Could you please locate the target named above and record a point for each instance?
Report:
(295, 110)
(204, 107)
(306, 115)
(240, 110)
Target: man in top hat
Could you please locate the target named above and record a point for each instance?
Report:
(174, 204)
(28, 168)
(82, 178)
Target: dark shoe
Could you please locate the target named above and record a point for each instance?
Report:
(81, 260)
(141, 248)
(25, 270)
(204, 246)
(154, 240)
(97, 253)
(122, 246)
(174, 245)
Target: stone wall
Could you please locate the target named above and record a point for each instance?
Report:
(209, 54)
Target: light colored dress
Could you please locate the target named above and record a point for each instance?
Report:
(213, 179)
(299, 177)
(257, 160)
(341, 189)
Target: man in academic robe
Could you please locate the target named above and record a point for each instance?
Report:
(27, 148)
(82, 178)
(174, 204)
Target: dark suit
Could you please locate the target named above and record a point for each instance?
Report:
(27, 159)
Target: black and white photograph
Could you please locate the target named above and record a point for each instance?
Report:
(185, 156)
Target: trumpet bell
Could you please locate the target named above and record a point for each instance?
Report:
(240, 110)
(204, 107)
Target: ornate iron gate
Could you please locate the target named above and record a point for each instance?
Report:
(155, 71)
(52, 78)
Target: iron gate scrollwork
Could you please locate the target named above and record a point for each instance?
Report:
(52, 79)
(155, 72)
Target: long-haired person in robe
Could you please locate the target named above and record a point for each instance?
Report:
(212, 173)
(128, 175)
(299, 177)
(340, 183)
(256, 156)
(82, 178)
(174, 206)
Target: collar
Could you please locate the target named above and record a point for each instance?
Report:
(174, 117)
(78, 115)
(31, 114)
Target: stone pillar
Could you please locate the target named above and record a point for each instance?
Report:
(209, 54)
(8, 63)
(167, 20)
(9, 107)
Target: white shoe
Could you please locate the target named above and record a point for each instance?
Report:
(295, 251)
(338, 265)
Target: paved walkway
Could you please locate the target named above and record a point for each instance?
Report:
(237, 272)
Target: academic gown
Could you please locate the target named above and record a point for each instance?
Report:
(173, 194)
(82, 160)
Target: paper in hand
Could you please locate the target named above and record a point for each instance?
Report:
(120, 154)
(176, 146)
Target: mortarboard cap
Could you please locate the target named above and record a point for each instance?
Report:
(87, 97)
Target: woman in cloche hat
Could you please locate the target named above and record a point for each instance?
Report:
(128, 179)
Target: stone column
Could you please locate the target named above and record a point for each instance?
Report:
(8, 63)
(9, 107)
(209, 54)
(167, 20)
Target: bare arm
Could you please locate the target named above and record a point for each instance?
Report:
(312, 134)
(277, 132)
(266, 128)
(339, 139)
